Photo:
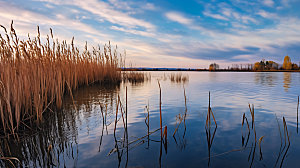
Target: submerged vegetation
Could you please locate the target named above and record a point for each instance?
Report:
(35, 75)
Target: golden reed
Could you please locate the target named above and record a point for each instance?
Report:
(35, 75)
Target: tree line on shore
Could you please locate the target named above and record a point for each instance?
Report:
(262, 65)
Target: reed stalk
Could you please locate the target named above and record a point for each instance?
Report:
(297, 113)
(209, 114)
(126, 115)
(160, 117)
(259, 144)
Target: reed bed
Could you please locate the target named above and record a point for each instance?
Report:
(135, 77)
(35, 75)
(179, 77)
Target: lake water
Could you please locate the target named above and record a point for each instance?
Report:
(84, 136)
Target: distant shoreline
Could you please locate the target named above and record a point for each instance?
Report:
(219, 70)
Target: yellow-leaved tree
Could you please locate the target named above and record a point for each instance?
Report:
(287, 64)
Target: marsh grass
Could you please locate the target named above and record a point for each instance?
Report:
(34, 75)
(135, 77)
(179, 77)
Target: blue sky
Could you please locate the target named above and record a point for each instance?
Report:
(171, 33)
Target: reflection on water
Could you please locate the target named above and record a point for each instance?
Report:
(287, 78)
(49, 147)
(84, 136)
(55, 142)
(268, 79)
(210, 138)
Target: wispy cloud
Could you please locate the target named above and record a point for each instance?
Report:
(31, 19)
(119, 4)
(267, 15)
(177, 17)
(188, 22)
(269, 3)
(108, 12)
(132, 31)
(224, 32)
(149, 6)
(227, 14)
(215, 16)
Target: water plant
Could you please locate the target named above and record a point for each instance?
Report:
(135, 77)
(209, 114)
(179, 77)
(36, 75)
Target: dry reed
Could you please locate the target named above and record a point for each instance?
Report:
(135, 77)
(209, 114)
(160, 117)
(259, 144)
(179, 77)
(297, 113)
(33, 74)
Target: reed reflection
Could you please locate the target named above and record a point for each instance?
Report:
(181, 143)
(55, 141)
(179, 78)
(284, 147)
(209, 136)
(49, 147)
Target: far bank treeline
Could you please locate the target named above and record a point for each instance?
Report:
(263, 65)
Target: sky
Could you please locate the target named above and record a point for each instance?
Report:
(170, 33)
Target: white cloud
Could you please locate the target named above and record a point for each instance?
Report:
(242, 17)
(269, 3)
(162, 46)
(267, 15)
(149, 6)
(248, 19)
(107, 12)
(8, 12)
(120, 4)
(215, 16)
(238, 25)
(132, 31)
(228, 14)
(177, 17)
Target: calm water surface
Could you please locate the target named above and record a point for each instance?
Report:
(84, 136)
